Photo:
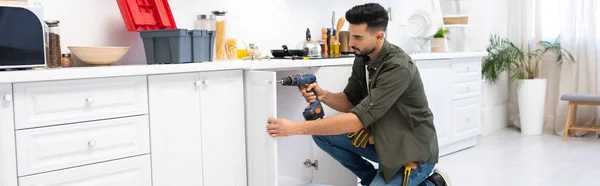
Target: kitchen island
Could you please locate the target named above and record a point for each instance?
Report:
(196, 124)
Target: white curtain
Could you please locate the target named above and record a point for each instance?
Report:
(578, 29)
(579, 35)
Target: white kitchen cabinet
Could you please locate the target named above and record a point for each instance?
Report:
(8, 163)
(453, 89)
(197, 128)
(288, 160)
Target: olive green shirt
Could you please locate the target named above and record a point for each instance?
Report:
(394, 109)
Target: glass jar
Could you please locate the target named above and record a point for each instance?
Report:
(66, 60)
(205, 22)
(53, 55)
(220, 37)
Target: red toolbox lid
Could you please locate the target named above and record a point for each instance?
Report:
(146, 14)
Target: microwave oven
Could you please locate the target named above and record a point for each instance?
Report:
(22, 37)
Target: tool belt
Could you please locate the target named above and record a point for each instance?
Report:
(361, 138)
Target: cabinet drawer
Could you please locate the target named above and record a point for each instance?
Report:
(466, 90)
(39, 104)
(51, 148)
(466, 70)
(126, 172)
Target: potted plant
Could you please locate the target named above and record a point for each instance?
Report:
(439, 40)
(523, 67)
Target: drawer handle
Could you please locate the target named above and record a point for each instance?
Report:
(8, 98)
(197, 83)
(92, 143)
(468, 68)
(89, 100)
(269, 82)
(205, 82)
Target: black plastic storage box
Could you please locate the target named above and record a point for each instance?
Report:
(173, 46)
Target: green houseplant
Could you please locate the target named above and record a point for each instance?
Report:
(523, 68)
(439, 40)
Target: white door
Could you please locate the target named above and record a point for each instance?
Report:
(8, 165)
(223, 134)
(330, 171)
(260, 104)
(437, 80)
(175, 130)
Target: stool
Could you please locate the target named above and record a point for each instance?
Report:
(575, 100)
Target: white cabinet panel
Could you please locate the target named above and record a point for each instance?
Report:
(261, 103)
(223, 132)
(133, 171)
(437, 81)
(467, 117)
(39, 104)
(8, 163)
(51, 148)
(176, 133)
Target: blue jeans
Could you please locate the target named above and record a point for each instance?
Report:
(341, 149)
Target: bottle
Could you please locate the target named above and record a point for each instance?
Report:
(220, 38)
(66, 60)
(54, 54)
(336, 48)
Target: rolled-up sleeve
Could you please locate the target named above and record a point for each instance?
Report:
(389, 86)
(353, 89)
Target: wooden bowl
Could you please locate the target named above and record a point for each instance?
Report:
(96, 55)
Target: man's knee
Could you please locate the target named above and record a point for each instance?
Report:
(320, 140)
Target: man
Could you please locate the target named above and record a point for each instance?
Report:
(386, 117)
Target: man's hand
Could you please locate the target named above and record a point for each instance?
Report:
(283, 127)
(309, 96)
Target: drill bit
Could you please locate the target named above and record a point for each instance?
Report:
(279, 81)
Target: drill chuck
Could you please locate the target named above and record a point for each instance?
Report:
(289, 81)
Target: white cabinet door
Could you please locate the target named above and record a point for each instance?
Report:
(467, 116)
(330, 171)
(223, 133)
(8, 163)
(175, 130)
(260, 103)
(437, 80)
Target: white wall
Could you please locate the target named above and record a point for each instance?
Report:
(269, 25)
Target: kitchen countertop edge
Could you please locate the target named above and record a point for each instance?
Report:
(19, 76)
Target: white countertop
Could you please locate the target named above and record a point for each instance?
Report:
(133, 70)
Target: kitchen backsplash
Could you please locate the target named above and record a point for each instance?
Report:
(266, 23)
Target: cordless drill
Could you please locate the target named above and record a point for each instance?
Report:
(314, 110)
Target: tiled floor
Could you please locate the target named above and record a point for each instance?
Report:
(507, 158)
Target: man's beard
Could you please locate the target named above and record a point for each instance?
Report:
(364, 53)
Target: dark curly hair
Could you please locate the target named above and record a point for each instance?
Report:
(373, 14)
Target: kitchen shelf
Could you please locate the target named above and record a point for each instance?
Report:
(458, 26)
